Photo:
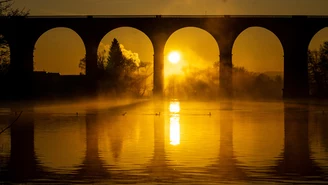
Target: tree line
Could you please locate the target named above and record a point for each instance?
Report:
(120, 75)
(204, 84)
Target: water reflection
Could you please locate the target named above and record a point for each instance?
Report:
(60, 141)
(92, 167)
(258, 135)
(296, 160)
(179, 145)
(23, 164)
(4, 143)
(174, 123)
(126, 142)
(158, 168)
(199, 137)
(319, 137)
(226, 167)
(174, 107)
(324, 135)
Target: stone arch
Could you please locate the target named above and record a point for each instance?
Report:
(318, 38)
(317, 85)
(198, 49)
(66, 48)
(195, 29)
(122, 33)
(135, 44)
(259, 58)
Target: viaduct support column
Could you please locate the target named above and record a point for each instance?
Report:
(91, 59)
(158, 91)
(226, 73)
(296, 83)
(21, 67)
(91, 67)
(296, 71)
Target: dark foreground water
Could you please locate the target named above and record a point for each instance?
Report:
(173, 142)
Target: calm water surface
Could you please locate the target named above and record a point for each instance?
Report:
(172, 142)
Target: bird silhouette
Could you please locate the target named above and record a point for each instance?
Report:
(158, 114)
(124, 113)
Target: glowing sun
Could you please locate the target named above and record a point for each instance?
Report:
(174, 57)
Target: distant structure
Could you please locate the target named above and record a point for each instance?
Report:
(294, 33)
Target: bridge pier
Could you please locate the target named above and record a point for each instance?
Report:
(296, 83)
(21, 68)
(158, 89)
(91, 57)
(226, 74)
(91, 67)
(295, 41)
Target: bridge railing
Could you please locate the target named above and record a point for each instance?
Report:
(166, 16)
(57, 16)
(160, 16)
(92, 16)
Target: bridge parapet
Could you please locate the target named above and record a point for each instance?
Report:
(164, 16)
(172, 16)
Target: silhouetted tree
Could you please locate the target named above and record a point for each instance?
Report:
(141, 84)
(101, 62)
(115, 59)
(117, 69)
(121, 74)
(318, 70)
(4, 56)
(6, 10)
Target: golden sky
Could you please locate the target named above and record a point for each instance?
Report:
(256, 49)
(40, 7)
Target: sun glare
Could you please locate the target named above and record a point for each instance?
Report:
(174, 57)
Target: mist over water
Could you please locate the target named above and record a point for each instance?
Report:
(170, 141)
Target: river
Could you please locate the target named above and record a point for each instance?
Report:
(171, 142)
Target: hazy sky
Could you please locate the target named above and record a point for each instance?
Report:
(257, 49)
(175, 6)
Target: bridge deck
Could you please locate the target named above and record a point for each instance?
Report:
(172, 16)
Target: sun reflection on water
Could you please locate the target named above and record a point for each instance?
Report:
(174, 107)
(174, 123)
